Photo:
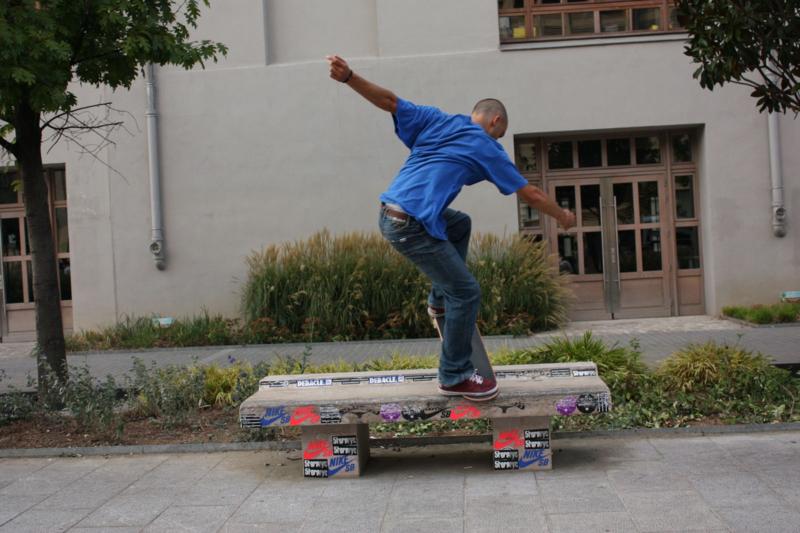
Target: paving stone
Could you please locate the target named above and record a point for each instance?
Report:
(83, 495)
(670, 511)
(38, 521)
(105, 530)
(742, 490)
(13, 469)
(426, 500)
(504, 513)
(503, 484)
(13, 504)
(217, 492)
(128, 509)
(578, 496)
(647, 476)
(760, 519)
(426, 525)
(617, 522)
(199, 519)
(264, 527)
(280, 503)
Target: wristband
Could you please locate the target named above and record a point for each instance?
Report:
(348, 77)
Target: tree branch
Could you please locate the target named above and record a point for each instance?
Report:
(10, 147)
(74, 110)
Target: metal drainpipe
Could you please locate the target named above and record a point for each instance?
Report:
(154, 162)
(779, 222)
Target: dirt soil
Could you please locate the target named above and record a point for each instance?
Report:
(216, 425)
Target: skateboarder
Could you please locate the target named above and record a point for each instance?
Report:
(447, 152)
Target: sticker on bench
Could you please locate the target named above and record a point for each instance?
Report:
(317, 449)
(304, 415)
(391, 412)
(508, 439)
(275, 415)
(345, 445)
(566, 406)
(315, 468)
(537, 439)
(560, 373)
(326, 382)
(584, 372)
(603, 402)
(587, 403)
(462, 412)
(386, 380)
(506, 459)
(534, 457)
(329, 414)
(413, 414)
(338, 464)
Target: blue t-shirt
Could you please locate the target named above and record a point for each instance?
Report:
(447, 152)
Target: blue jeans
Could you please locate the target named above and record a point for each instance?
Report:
(452, 285)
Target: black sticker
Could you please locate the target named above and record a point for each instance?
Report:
(537, 439)
(560, 373)
(537, 434)
(315, 468)
(328, 414)
(587, 403)
(506, 459)
(345, 445)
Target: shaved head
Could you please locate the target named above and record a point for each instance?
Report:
(491, 107)
(491, 115)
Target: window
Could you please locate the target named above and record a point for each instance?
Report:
(16, 250)
(536, 20)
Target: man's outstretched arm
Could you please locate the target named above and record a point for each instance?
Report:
(383, 98)
(536, 198)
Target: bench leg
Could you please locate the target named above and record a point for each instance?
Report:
(522, 443)
(340, 450)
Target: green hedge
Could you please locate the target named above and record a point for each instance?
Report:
(356, 286)
(765, 314)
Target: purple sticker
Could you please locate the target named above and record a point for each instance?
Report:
(566, 406)
(391, 412)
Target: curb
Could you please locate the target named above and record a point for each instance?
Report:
(400, 442)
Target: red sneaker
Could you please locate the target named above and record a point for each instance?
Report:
(476, 388)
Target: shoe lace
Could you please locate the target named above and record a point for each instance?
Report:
(477, 378)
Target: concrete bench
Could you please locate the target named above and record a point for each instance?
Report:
(334, 411)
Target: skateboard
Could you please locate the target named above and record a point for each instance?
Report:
(480, 359)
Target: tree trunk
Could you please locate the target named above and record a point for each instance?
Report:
(51, 352)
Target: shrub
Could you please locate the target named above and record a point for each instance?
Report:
(621, 367)
(718, 379)
(168, 393)
(765, 314)
(356, 286)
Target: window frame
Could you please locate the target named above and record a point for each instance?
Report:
(16, 211)
(534, 8)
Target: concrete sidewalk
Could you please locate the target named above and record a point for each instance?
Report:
(658, 338)
(728, 482)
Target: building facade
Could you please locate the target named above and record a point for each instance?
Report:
(671, 183)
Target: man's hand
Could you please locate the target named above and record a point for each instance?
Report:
(340, 70)
(567, 219)
(380, 97)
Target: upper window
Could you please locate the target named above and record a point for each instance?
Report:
(542, 20)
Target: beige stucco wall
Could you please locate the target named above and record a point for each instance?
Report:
(263, 147)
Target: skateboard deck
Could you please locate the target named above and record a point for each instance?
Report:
(480, 359)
